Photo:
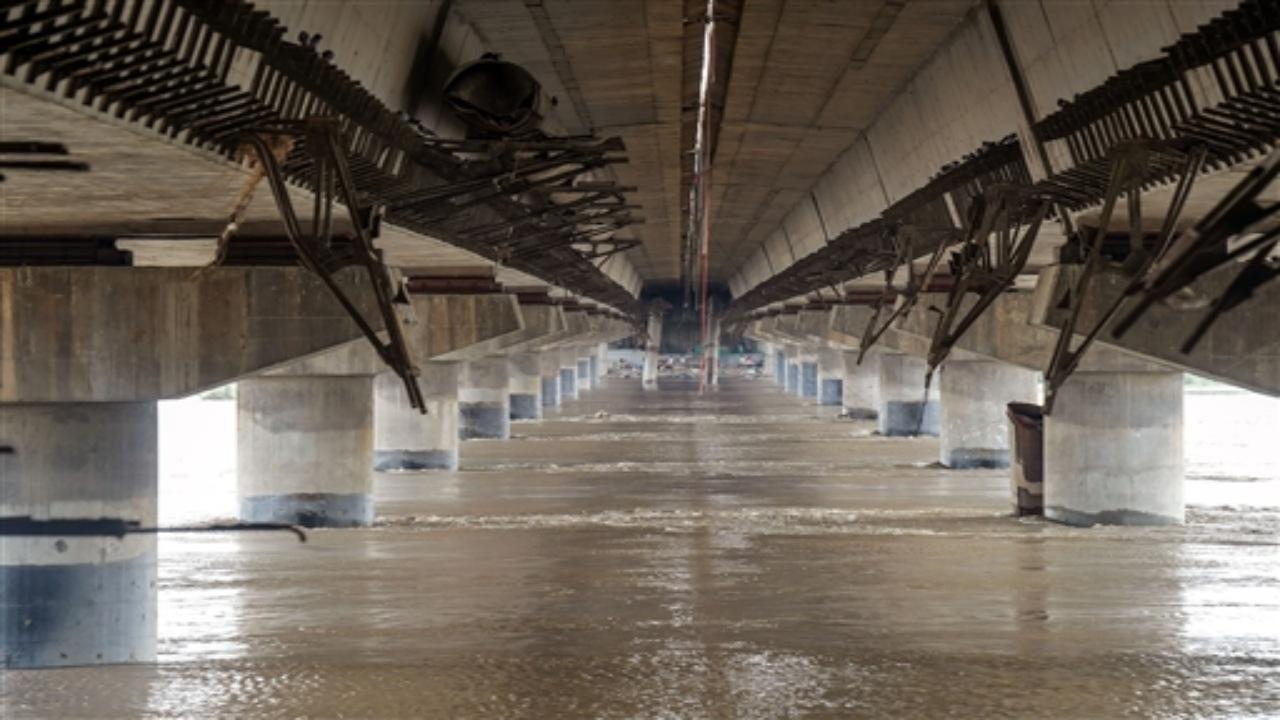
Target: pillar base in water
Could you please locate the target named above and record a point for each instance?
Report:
(484, 420)
(550, 391)
(78, 614)
(1113, 450)
(832, 393)
(78, 600)
(310, 510)
(525, 406)
(974, 458)
(904, 418)
(568, 384)
(411, 460)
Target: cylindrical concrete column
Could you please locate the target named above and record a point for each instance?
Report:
(549, 368)
(584, 370)
(484, 406)
(904, 409)
(791, 383)
(600, 364)
(525, 385)
(830, 377)
(768, 361)
(78, 600)
(862, 386)
(780, 366)
(713, 359)
(975, 395)
(568, 374)
(405, 439)
(1113, 450)
(305, 450)
(808, 375)
(652, 349)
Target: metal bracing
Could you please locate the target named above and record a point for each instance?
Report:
(1003, 225)
(333, 181)
(168, 65)
(1132, 165)
(1239, 229)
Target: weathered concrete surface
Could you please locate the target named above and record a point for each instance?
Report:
(905, 409)
(78, 600)
(122, 334)
(406, 439)
(1113, 450)
(484, 409)
(1241, 348)
(653, 346)
(974, 427)
(524, 381)
(861, 387)
(830, 377)
(466, 327)
(305, 450)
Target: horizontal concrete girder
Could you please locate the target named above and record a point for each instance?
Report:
(1242, 348)
(88, 334)
(444, 328)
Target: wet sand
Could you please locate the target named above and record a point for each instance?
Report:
(734, 555)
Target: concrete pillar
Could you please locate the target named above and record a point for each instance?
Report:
(861, 387)
(584, 369)
(649, 376)
(780, 366)
(78, 600)
(568, 374)
(904, 410)
(484, 406)
(808, 375)
(791, 383)
(830, 377)
(600, 364)
(768, 360)
(305, 449)
(405, 439)
(974, 425)
(549, 368)
(713, 361)
(525, 385)
(1113, 450)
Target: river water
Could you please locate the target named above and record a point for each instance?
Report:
(666, 555)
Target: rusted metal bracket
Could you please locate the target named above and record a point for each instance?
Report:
(902, 238)
(1003, 225)
(1238, 227)
(1132, 165)
(332, 181)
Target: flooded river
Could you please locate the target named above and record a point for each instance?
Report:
(736, 555)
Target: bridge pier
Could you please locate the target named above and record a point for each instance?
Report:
(525, 385)
(1113, 450)
(830, 377)
(549, 369)
(791, 383)
(861, 387)
(78, 600)
(904, 409)
(484, 405)
(974, 427)
(406, 439)
(305, 449)
(568, 374)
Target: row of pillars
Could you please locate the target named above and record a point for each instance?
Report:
(308, 446)
(1111, 451)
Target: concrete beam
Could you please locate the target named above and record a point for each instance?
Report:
(90, 334)
(1241, 349)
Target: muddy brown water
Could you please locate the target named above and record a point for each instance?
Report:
(734, 555)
